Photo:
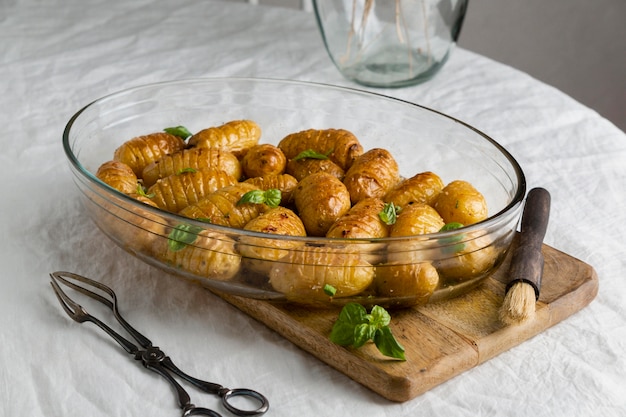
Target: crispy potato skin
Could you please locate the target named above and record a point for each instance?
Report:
(361, 221)
(220, 207)
(301, 168)
(321, 199)
(414, 280)
(194, 158)
(178, 191)
(118, 175)
(263, 159)
(143, 150)
(211, 255)
(283, 182)
(372, 174)
(343, 146)
(420, 188)
(236, 136)
(416, 219)
(460, 202)
(303, 273)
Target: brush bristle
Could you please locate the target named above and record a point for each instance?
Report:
(519, 304)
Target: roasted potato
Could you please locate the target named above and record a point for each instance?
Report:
(201, 253)
(198, 159)
(263, 159)
(340, 145)
(321, 199)
(300, 168)
(474, 258)
(222, 207)
(142, 150)
(361, 221)
(416, 219)
(260, 252)
(236, 136)
(460, 202)
(420, 188)
(303, 273)
(372, 174)
(416, 281)
(119, 176)
(178, 191)
(283, 182)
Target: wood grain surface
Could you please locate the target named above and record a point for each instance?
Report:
(441, 340)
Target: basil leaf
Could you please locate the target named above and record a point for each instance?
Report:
(387, 344)
(270, 197)
(389, 213)
(182, 236)
(184, 170)
(273, 197)
(451, 226)
(330, 290)
(362, 333)
(380, 317)
(180, 131)
(310, 153)
(342, 333)
(353, 313)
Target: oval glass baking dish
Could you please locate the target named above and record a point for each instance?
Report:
(390, 271)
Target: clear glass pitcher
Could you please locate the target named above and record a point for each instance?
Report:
(389, 43)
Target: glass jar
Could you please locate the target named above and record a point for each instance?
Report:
(389, 43)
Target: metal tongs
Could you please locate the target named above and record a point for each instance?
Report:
(151, 357)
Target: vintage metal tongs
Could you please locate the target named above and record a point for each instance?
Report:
(151, 357)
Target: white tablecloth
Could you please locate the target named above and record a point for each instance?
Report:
(58, 55)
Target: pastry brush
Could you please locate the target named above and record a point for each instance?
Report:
(526, 271)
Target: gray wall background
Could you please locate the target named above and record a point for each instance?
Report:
(577, 46)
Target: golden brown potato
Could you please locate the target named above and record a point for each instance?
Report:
(420, 188)
(372, 174)
(460, 202)
(321, 199)
(119, 176)
(236, 136)
(191, 159)
(473, 259)
(340, 145)
(300, 168)
(260, 252)
(283, 182)
(200, 252)
(221, 207)
(263, 159)
(416, 219)
(178, 191)
(413, 280)
(142, 150)
(361, 221)
(303, 273)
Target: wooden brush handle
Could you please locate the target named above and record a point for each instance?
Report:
(527, 260)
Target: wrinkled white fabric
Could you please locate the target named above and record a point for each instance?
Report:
(58, 55)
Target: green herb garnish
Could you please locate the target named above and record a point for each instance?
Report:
(310, 153)
(270, 197)
(389, 213)
(451, 226)
(452, 239)
(355, 327)
(182, 236)
(330, 290)
(142, 191)
(180, 131)
(185, 170)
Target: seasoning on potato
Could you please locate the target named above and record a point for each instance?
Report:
(222, 207)
(236, 136)
(140, 151)
(178, 191)
(420, 188)
(341, 146)
(263, 159)
(321, 199)
(460, 202)
(300, 168)
(191, 159)
(118, 175)
(303, 273)
(372, 174)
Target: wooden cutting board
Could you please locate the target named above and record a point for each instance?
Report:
(441, 340)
